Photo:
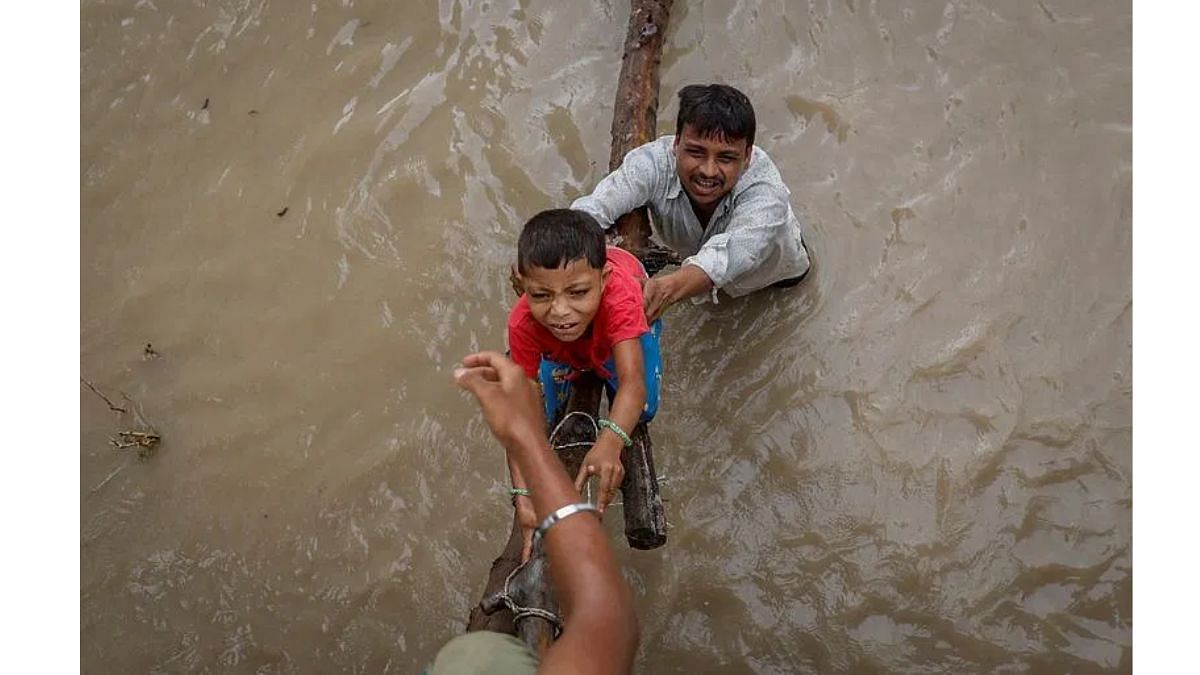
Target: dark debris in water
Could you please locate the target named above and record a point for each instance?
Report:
(145, 441)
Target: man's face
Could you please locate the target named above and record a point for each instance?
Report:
(709, 167)
(566, 299)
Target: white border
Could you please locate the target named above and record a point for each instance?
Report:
(1166, 215)
(40, 121)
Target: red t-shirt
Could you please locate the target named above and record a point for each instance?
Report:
(619, 318)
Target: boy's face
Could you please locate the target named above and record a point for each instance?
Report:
(709, 167)
(565, 300)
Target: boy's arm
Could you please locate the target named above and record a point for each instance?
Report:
(523, 505)
(604, 459)
(525, 353)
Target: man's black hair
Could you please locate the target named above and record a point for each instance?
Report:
(553, 238)
(716, 110)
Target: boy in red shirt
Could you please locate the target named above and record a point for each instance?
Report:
(582, 310)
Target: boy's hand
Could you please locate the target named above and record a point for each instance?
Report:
(527, 519)
(603, 460)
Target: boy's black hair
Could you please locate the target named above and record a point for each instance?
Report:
(553, 238)
(716, 110)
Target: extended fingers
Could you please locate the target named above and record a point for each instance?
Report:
(492, 367)
(487, 358)
(610, 482)
(654, 301)
(584, 471)
(472, 378)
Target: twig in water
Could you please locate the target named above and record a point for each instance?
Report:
(144, 441)
(111, 406)
(110, 476)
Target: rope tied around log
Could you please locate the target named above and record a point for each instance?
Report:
(505, 596)
(521, 612)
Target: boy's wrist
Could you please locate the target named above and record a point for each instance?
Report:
(609, 444)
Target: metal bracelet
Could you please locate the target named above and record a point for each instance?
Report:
(559, 514)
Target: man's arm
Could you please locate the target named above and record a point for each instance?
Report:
(759, 219)
(664, 290)
(600, 631)
(628, 187)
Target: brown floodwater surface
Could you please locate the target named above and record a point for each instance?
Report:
(918, 461)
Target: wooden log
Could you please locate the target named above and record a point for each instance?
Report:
(645, 518)
(532, 588)
(635, 121)
(635, 110)
(635, 116)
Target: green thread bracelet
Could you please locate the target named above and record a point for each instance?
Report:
(513, 493)
(612, 426)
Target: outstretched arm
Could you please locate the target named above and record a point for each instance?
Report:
(757, 229)
(664, 290)
(599, 627)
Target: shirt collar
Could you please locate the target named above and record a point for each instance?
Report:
(674, 186)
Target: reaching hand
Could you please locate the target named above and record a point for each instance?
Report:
(655, 297)
(603, 460)
(509, 401)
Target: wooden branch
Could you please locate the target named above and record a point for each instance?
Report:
(635, 116)
(635, 111)
(533, 589)
(111, 406)
(645, 517)
(635, 120)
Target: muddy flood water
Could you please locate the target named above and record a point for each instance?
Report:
(918, 461)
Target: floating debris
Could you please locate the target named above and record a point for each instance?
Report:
(144, 441)
(111, 406)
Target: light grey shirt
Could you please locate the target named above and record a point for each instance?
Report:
(752, 240)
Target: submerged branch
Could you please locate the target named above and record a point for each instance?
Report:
(111, 406)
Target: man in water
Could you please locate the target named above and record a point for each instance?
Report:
(716, 198)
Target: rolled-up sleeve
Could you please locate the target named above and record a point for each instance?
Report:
(759, 219)
(631, 185)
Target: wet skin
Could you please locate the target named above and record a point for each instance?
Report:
(565, 300)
